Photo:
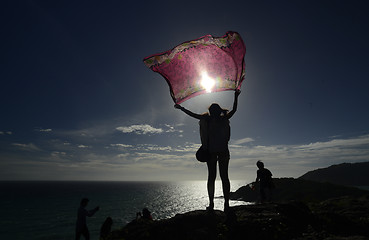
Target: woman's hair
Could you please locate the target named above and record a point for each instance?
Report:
(216, 110)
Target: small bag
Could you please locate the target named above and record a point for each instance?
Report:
(202, 155)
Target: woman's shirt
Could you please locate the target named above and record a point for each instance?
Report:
(219, 133)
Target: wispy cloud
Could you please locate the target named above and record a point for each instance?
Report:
(57, 154)
(45, 130)
(158, 148)
(6, 133)
(140, 129)
(26, 147)
(123, 155)
(120, 145)
(188, 147)
(242, 141)
(83, 146)
(171, 128)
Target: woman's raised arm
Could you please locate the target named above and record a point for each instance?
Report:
(188, 112)
(235, 103)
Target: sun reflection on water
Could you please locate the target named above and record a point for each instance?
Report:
(181, 197)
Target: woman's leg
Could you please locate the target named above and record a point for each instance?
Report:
(223, 171)
(212, 173)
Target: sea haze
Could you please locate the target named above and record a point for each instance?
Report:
(47, 210)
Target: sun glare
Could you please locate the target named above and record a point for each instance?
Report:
(207, 82)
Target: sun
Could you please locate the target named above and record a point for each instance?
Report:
(207, 82)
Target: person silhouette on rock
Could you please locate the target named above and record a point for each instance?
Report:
(106, 228)
(81, 224)
(264, 176)
(217, 137)
(144, 215)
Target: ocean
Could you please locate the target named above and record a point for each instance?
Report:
(47, 210)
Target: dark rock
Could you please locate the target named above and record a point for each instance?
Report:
(266, 221)
(302, 210)
(345, 218)
(288, 189)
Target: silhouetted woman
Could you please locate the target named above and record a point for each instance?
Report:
(218, 134)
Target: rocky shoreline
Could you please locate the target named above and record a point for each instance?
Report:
(315, 217)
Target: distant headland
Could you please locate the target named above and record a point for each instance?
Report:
(349, 174)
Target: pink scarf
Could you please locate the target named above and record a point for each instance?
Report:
(206, 64)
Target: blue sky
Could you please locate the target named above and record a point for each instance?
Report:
(77, 102)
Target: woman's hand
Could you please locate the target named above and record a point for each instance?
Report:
(177, 106)
(237, 92)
